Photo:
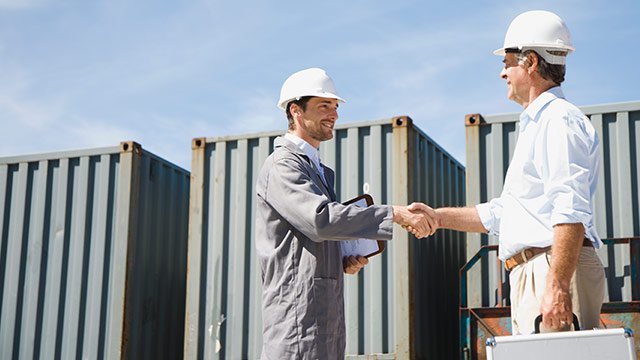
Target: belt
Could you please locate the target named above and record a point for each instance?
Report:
(528, 253)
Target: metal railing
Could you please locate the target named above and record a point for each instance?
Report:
(470, 318)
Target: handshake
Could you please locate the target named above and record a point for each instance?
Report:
(417, 218)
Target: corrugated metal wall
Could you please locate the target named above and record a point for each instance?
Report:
(438, 180)
(403, 303)
(490, 144)
(93, 255)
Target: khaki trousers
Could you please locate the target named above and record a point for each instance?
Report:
(528, 281)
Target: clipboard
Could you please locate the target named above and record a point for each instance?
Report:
(364, 247)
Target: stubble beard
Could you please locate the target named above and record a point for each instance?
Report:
(316, 132)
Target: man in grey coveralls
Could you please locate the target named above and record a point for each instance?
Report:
(299, 223)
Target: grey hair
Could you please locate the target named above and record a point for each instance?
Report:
(548, 71)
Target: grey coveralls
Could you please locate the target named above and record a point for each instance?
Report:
(297, 224)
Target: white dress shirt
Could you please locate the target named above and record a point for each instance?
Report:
(551, 179)
(309, 150)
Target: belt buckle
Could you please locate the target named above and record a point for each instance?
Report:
(526, 255)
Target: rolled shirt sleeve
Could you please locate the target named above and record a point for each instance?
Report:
(490, 214)
(570, 152)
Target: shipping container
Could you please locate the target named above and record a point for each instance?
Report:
(93, 255)
(490, 144)
(402, 305)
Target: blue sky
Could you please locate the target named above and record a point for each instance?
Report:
(79, 74)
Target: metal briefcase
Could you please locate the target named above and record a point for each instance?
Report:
(597, 344)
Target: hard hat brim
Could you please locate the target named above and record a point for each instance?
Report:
(283, 103)
(502, 51)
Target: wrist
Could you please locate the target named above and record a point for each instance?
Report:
(395, 210)
(439, 218)
(557, 285)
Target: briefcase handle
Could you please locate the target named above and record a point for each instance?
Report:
(576, 325)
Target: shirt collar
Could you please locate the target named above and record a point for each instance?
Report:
(532, 111)
(306, 148)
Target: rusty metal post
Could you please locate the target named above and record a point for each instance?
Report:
(196, 215)
(634, 263)
(124, 247)
(472, 131)
(402, 190)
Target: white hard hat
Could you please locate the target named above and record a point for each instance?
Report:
(542, 31)
(308, 82)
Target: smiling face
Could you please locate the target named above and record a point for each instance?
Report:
(518, 80)
(315, 123)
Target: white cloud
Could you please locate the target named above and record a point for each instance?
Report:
(258, 113)
(23, 113)
(32, 126)
(84, 132)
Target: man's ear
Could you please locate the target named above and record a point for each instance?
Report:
(532, 59)
(295, 111)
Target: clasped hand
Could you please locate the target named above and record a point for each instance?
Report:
(417, 218)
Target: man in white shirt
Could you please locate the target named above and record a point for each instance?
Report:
(544, 216)
(300, 224)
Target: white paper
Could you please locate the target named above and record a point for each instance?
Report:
(361, 247)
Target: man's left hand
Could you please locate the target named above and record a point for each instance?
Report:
(556, 307)
(353, 264)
